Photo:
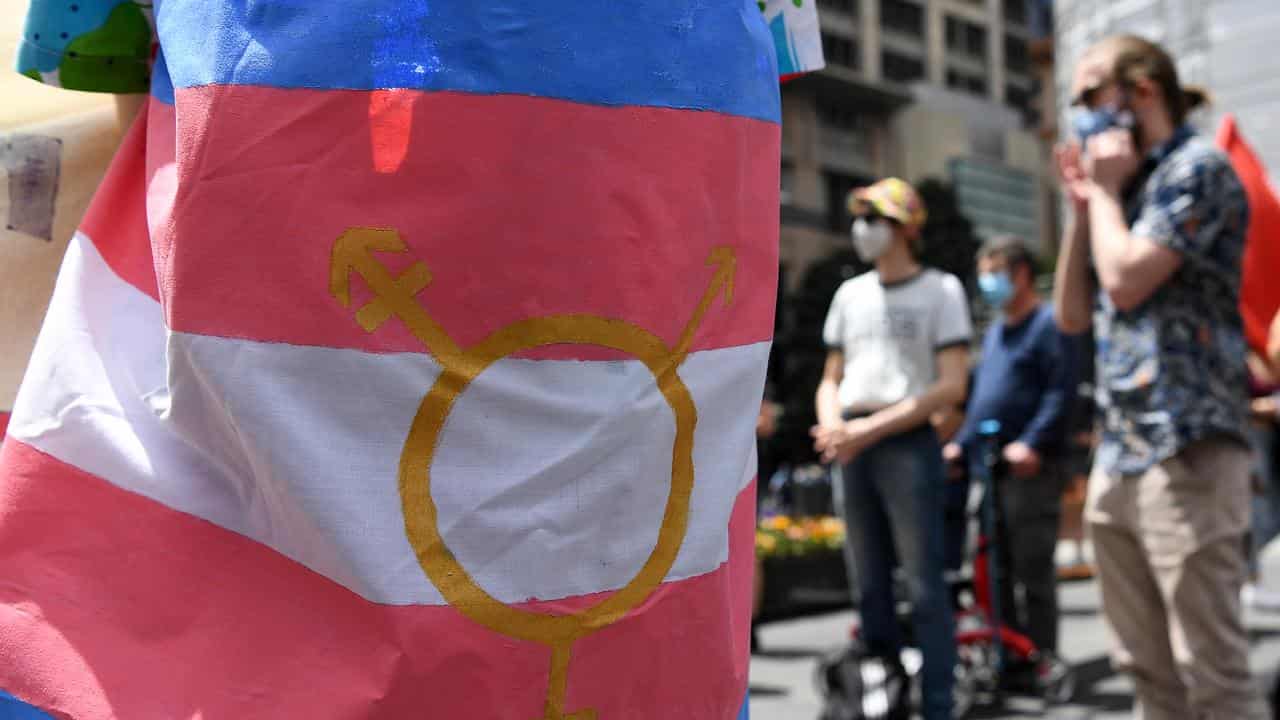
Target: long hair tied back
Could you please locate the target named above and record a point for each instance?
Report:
(1134, 58)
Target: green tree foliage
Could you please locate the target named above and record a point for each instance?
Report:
(949, 241)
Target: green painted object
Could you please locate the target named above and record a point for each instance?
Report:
(114, 58)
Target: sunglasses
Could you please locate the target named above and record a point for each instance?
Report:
(1087, 96)
(872, 217)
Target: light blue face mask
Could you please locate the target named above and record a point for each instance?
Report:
(996, 289)
(1087, 123)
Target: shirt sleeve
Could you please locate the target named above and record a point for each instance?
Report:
(94, 45)
(833, 328)
(1059, 358)
(952, 326)
(1189, 209)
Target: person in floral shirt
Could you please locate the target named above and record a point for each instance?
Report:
(1152, 259)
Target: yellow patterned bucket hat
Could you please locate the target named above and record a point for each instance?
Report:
(892, 198)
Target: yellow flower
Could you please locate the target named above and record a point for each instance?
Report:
(777, 522)
(831, 527)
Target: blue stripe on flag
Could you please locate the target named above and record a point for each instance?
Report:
(11, 708)
(745, 713)
(689, 54)
(161, 85)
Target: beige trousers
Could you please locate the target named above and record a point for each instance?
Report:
(1169, 546)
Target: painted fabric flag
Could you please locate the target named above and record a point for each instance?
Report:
(12, 708)
(796, 37)
(406, 364)
(1259, 292)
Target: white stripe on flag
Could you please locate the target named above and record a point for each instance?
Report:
(550, 478)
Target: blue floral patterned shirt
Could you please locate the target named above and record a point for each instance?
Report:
(1172, 371)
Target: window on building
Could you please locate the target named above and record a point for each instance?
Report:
(1040, 19)
(902, 16)
(838, 116)
(975, 40)
(1015, 12)
(844, 133)
(840, 50)
(838, 187)
(1016, 57)
(848, 7)
(966, 82)
(901, 68)
(966, 38)
(1025, 98)
(1017, 97)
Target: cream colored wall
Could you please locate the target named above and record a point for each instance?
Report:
(926, 139)
(800, 247)
(1023, 150)
(89, 128)
(24, 101)
(800, 143)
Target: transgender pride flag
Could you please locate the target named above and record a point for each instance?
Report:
(407, 366)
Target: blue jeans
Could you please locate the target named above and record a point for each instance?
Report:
(892, 499)
(956, 521)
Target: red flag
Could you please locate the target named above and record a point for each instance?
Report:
(1259, 296)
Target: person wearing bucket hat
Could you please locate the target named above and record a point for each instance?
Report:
(892, 199)
(898, 339)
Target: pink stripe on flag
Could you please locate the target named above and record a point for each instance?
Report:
(117, 216)
(115, 606)
(520, 207)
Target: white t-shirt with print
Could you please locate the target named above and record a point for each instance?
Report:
(890, 335)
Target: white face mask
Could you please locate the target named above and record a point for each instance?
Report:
(871, 239)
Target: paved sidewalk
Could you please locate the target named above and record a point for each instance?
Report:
(782, 686)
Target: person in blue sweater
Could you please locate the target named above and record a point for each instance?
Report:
(1026, 379)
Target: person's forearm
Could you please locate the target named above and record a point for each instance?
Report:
(1108, 237)
(1072, 288)
(915, 411)
(828, 403)
(127, 108)
(947, 422)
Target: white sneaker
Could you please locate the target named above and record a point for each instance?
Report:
(1259, 598)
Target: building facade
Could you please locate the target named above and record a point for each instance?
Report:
(919, 89)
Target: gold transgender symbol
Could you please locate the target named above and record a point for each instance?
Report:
(353, 252)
